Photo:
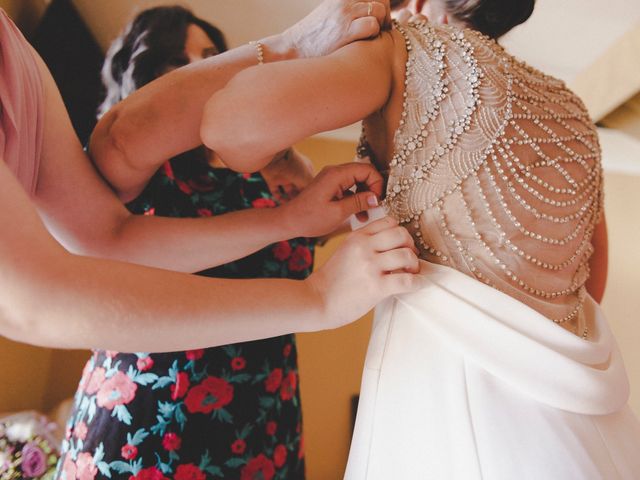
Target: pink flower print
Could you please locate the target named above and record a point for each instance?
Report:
(87, 470)
(96, 379)
(117, 390)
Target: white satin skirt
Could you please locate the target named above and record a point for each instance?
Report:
(463, 382)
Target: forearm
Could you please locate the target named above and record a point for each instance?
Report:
(78, 302)
(194, 244)
(162, 119)
(265, 109)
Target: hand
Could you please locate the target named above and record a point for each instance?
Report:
(373, 263)
(327, 202)
(336, 23)
(288, 174)
(406, 16)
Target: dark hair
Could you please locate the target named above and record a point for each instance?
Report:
(491, 17)
(151, 43)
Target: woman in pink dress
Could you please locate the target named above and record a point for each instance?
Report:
(62, 298)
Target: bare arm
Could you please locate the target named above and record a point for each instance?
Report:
(163, 118)
(272, 106)
(88, 219)
(599, 262)
(51, 297)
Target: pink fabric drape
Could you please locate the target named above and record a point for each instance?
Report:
(21, 105)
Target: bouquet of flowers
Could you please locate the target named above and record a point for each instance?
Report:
(27, 447)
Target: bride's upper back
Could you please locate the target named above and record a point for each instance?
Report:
(496, 170)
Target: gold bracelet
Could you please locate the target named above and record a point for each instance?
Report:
(259, 51)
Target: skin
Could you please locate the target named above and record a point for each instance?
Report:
(361, 80)
(53, 296)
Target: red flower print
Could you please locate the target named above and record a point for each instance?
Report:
(238, 363)
(286, 351)
(273, 381)
(194, 354)
(144, 364)
(68, 468)
(238, 447)
(282, 251)
(87, 470)
(259, 467)
(96, 379)
(168, 170)
(204, 212)
(300, 259)
(117, 390)
(151, 473)
(171, 442)
(111, 353)
(189, 472)
(179, 389)
(271, 428)
(246, 176)
(288, 387)
(150, 212)
(212, 394)
(129, 452)
(80, 431)
(263, 203)
(279, 455)
(186, 189)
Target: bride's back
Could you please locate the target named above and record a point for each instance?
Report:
(496, 170)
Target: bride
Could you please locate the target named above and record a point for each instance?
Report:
(503, 365)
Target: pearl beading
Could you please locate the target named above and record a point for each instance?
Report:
(498, 198)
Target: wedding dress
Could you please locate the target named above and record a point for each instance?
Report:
(501, 366)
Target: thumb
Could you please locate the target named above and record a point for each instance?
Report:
(363, 28)
(358, 202)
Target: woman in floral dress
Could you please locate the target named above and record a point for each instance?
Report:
(227, 412)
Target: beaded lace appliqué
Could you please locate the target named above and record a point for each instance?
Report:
(496, 170)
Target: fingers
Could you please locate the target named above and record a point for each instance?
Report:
(358, 202)
(375, 9)
(400, 259)
(418, 18)
(378, 226)
(397, 283)
(403, 16)
(362, 28)
(397, 237)
(360, 174)
(336, 180)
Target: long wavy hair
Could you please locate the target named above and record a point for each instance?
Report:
(152, 43)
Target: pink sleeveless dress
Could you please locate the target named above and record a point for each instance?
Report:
(21, 105)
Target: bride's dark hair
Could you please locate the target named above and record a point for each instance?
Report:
(491, 17)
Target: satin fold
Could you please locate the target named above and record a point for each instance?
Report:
(464, 382)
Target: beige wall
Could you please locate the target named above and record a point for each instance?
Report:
(330, 362)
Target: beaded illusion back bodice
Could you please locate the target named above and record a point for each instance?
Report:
(496, 170)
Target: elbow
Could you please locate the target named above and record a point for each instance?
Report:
(225, 131)
(109, 149)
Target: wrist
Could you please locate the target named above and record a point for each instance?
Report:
(316, 302)
(279, 47)
(287, 221)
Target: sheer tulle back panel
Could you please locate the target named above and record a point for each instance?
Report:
(496, 170)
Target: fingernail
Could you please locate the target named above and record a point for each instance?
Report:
(372, 201)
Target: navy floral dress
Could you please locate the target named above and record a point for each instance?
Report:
(226, 412)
